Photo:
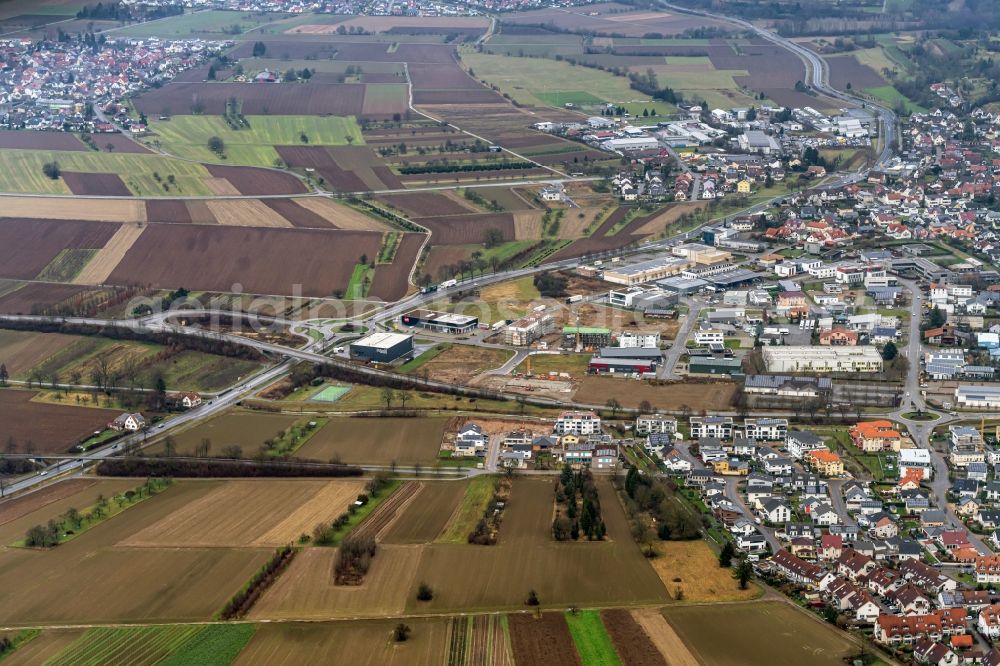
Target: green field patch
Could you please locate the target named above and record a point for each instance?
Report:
(360, 282)
(21, 171)
(591, 639)
(215, 645)
(187, 136)
(66, 265)
(576, 97)
(891, 96)
(331, 393)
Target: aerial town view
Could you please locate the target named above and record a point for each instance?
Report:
(500, 332)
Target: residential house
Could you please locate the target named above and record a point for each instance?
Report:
(128, 422)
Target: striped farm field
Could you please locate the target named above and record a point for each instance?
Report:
(137, 646)
(191, 645)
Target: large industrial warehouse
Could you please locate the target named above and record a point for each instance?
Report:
(382, 347)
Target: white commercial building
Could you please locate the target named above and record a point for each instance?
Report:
(805, 358)
(978, 397)
(526, 330)
(639, 340)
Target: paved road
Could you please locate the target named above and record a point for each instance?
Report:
(837, 501)
(673, 355)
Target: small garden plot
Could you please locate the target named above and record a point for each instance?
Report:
(488, 526)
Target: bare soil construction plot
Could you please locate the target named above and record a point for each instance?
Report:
(306, 589)
(256, 181)
(246, 213)
(250, 513)
(169, 211)
(711, 395)
(49, 428)
(424, 519)
(33, 140)
(766, 632)
(100, 267)
(377, 441)
(263, 261)
(358, 643)
(104, 184)
(468, 577)
(542, 640)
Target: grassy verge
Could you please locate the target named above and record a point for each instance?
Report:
(477, 495)
(390, 243)
(591, 639)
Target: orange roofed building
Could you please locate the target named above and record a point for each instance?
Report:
(825, 462)
(875, 436)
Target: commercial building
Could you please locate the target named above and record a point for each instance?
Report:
(527, 329)
(382, 347)
(978, 397)
(707, 365)
(440, 322)
(627, 366)
(756, 141)
(646, 271)
(805, 358)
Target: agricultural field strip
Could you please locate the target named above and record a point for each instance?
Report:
(140, 646)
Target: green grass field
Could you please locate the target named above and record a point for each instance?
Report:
(591, 639)
(187, 136)
(477, 496)
(540, 81)
(215, 22)
(21, 171)
(891, 96)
